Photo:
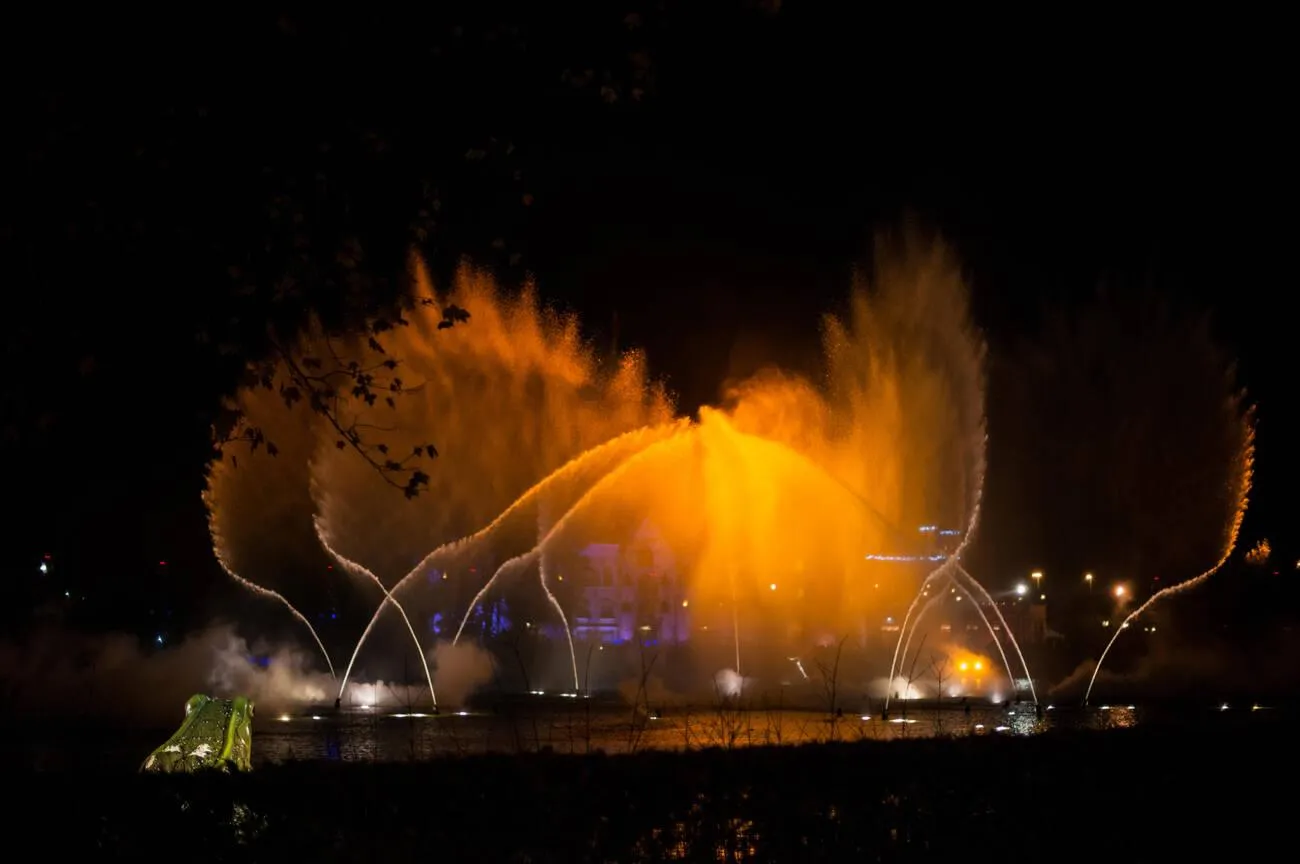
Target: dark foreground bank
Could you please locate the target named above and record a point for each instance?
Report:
(1145, 794)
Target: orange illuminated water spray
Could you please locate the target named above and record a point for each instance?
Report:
(275, 595)
(1246, 477)
(358, 570)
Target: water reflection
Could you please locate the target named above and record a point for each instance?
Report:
(401, 737)
(581, 727)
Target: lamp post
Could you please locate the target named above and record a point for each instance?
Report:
(1087, 577)
(1037, 576)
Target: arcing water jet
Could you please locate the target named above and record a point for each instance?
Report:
(976, 584)
(1245, 476)
(590, 461)
(357, 570)
(275, 595)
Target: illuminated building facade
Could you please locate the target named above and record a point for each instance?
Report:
(632, 589)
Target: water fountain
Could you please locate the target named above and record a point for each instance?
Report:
(356, 569)
(785, 485)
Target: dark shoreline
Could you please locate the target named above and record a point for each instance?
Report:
(1094, 792)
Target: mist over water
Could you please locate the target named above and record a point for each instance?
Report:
(112, 677)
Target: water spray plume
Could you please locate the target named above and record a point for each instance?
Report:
(1244, 478)
(508, 399)
(358, 570)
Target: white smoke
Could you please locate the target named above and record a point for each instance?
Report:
(460, 670)
(112, 677)
(879, 688)
(730, 684)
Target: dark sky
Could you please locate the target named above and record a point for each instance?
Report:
(717, 217)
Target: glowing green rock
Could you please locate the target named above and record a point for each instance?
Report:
(216, 734)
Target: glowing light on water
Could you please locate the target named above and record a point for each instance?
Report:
(1245, 476)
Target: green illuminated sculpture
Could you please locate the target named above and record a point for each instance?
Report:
(216, 734)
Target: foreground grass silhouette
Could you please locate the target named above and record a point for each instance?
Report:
(1143, 794)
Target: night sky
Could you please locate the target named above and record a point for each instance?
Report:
(709, 218)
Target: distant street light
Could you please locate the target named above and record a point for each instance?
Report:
(1022, 589)
(1119, 592)
(1037, 576)
(1087, 577)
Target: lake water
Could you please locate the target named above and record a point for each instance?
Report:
(385, 735)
